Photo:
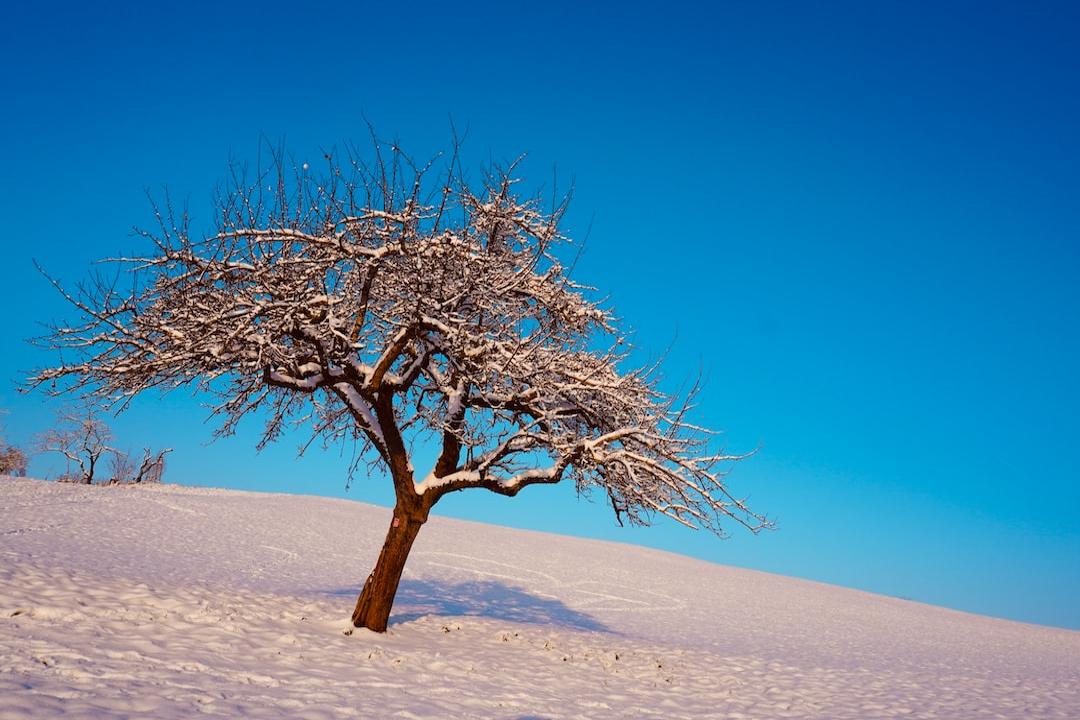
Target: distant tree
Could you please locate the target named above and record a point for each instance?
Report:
(372, 304)
(12, 459)
(151, 467)
(82, 438)
(122, 468)
(126, 472)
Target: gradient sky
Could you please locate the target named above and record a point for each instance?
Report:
(861, 220)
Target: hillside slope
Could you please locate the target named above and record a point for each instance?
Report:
(169, 602)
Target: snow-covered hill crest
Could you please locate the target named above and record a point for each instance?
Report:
(174, 602)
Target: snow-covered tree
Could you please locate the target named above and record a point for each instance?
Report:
(83, 438)
(390, 303)
(149, 470)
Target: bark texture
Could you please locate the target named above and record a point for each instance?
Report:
(377, 598)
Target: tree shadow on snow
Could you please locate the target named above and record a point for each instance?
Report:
(486, 599)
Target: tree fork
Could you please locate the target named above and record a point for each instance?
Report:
(376, 599)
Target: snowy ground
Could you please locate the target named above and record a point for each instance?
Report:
(171, 602)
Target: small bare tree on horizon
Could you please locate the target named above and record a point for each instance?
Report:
(390, 303)
(150, 469)
(13, 460)
(82, 438)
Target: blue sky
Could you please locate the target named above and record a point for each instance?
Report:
(861, 220)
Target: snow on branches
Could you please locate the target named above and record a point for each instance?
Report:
(373, 303)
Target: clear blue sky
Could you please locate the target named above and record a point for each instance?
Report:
(860, 219)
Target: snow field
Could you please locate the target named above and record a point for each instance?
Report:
(172, 602)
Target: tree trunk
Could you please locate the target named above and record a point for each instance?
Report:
(373, 606)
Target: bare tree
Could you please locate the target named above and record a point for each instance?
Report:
(82, 438)
(12, 459)
(122, 468)
(388, 304)
(152, 467)
(149, 470)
